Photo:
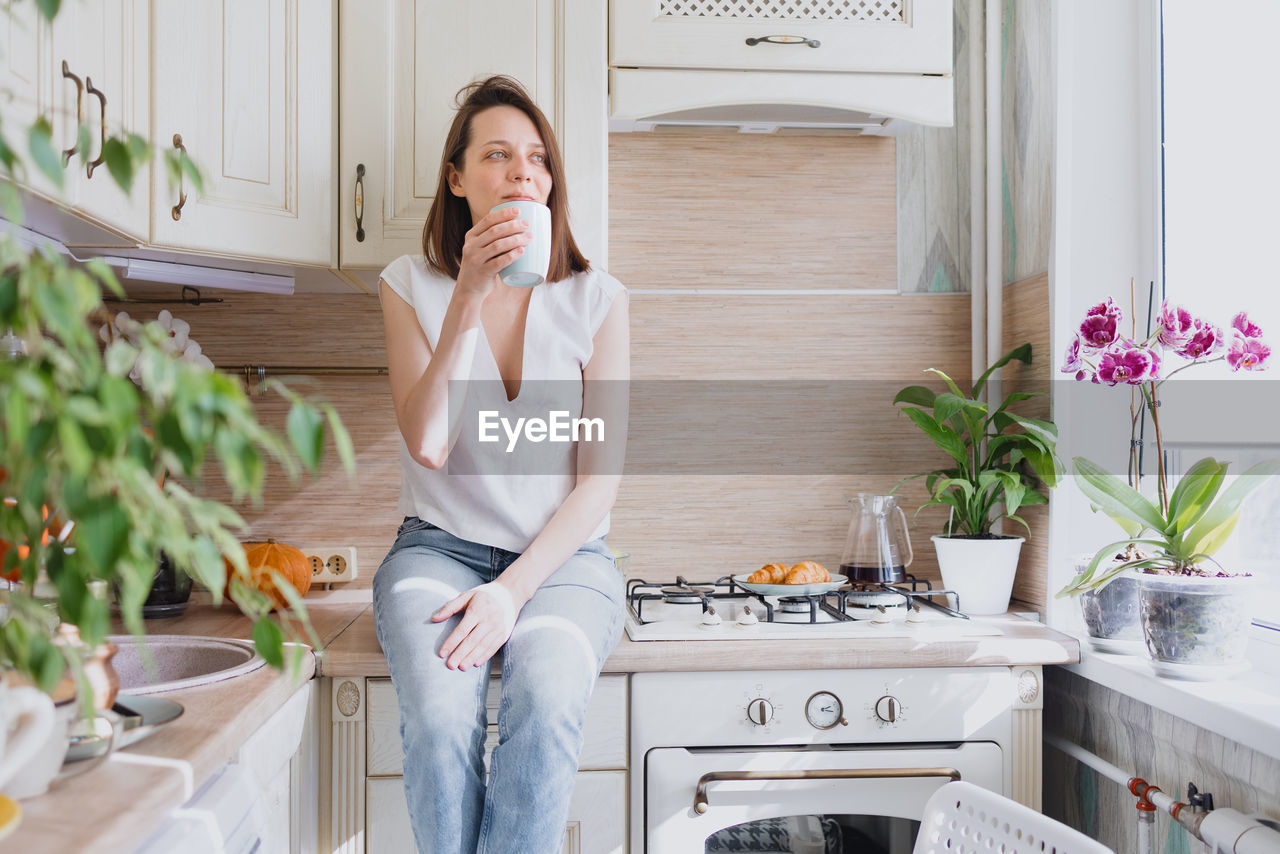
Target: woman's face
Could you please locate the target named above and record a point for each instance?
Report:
(505, 160)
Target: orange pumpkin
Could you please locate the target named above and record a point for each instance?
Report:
(262, 558)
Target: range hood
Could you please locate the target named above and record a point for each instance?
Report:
(767, 102)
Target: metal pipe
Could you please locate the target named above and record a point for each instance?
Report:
(1181, 812)
(1146, 827)
(1223, 829)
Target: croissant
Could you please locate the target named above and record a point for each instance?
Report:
(770, 573)
(807, 572)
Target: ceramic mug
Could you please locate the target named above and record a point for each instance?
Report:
(26, 724)
(48, 764)
(530, 268)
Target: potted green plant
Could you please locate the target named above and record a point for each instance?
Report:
(1193, 612)
(83, 446)
(999, 458)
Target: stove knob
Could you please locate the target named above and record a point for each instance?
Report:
(760, 711)
(888, 708)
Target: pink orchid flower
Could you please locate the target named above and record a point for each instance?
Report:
(1176, 326)
(1247, 353)
(1245, 327)
(1206, 340)
(1127, 363)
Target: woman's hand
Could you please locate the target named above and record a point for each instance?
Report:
(490, 615)
(491, 244)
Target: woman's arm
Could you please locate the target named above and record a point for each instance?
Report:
(491, 608)
(420, 378)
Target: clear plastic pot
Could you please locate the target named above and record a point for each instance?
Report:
(1111, 614)
(1195, 628)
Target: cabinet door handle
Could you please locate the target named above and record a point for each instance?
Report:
(752, 42)
(102, 144)
(359, 203)
(67, 152)
(182, 194)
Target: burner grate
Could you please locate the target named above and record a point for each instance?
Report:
(835, 605)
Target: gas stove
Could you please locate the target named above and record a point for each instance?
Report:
(721, 609)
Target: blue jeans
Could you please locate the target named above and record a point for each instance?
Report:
(549, 667)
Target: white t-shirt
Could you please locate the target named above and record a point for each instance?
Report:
(509, 509)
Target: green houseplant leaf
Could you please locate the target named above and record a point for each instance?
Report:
(122, 459)
(1001, 458)
(1208, 533)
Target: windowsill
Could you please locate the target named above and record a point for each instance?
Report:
(1244, 708)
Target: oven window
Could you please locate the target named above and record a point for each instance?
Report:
(818, 834)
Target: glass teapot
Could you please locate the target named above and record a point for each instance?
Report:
(878, 549)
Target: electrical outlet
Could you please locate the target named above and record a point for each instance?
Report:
(330, 563)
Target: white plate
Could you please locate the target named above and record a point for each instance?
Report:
(790, 589)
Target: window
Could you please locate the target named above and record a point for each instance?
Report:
(1220, 232)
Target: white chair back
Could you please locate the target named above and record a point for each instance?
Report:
(961, 818)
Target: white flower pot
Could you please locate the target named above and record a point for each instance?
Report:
(979, 572)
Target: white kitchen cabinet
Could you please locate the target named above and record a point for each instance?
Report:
(403, 61)
(247, 88)
(105, 45)
(878, 36)
(595, 824)
(90, 68)
(26, 81)
(367, 807)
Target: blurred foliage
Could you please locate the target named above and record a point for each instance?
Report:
(100, 474)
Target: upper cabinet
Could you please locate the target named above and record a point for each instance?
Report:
(102, 79)
(403, 62)
(245, 87)
(89, 70)
(874, 36)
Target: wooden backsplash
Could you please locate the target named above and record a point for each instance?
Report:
(686, 212)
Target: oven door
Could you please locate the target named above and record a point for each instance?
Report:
(819, 800)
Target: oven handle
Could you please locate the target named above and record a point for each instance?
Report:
(700, 804)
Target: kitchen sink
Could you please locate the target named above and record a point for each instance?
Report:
(159, 663)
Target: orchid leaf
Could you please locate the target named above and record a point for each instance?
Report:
(1086, 581)
(1213, 540)
(1194, 494)
(1114, 497)
(1228, 505)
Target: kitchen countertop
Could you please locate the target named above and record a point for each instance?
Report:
(116, 806)
(356, 651)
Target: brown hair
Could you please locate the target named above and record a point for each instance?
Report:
(450, 216)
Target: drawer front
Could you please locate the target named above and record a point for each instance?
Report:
(604, 736)
(596, 825)
(887, 36)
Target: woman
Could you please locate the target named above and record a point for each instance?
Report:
(488, 561)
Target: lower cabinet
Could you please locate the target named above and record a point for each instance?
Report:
(595, 823)
(367, 810)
